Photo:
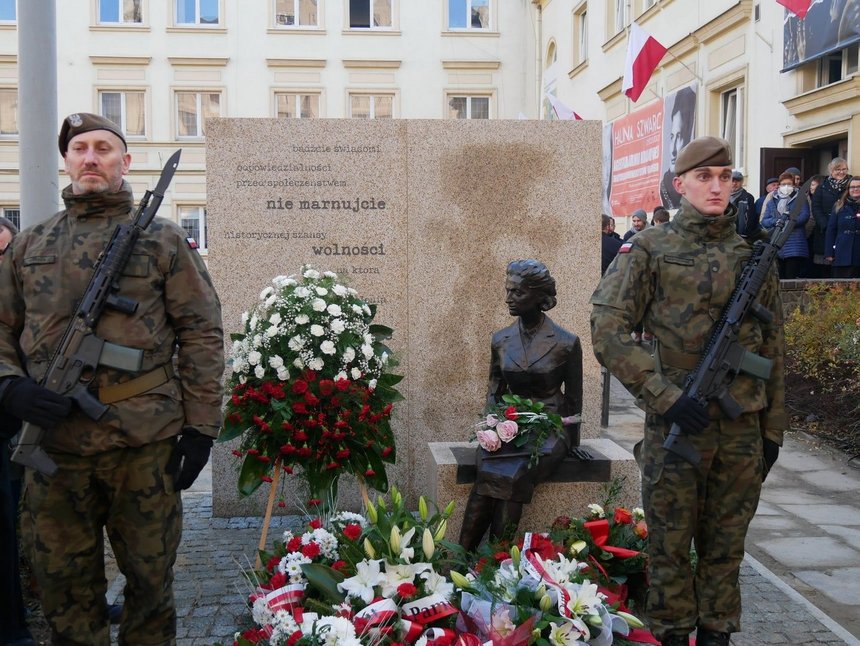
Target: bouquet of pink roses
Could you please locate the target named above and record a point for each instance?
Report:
(519, 422)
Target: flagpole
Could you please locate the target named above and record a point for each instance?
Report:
(686, 67)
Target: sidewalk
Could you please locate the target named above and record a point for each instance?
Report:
(800, 580)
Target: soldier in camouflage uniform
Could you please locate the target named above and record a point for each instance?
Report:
(677, 278)
(124, 472)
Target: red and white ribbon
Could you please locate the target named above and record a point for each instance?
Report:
(533, 562)
(286, 598)
(428, 609)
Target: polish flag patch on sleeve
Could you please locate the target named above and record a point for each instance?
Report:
(625, 248)
(192, 242)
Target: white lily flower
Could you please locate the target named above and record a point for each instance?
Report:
(367, 576)
(435, 583)
(567, 633)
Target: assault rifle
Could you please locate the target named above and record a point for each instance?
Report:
(81, 352)
(724, 358)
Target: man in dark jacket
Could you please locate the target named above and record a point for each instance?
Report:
(609, 242)
(748, 221)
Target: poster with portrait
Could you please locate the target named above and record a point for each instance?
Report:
(830, 26)
(679, 129)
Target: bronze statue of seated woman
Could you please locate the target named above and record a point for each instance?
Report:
(537, 359)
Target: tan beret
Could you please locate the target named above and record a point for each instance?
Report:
(80, 122)
(703, 151)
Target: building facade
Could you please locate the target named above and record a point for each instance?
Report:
(740, 69)
(160, 68)
(784, 92)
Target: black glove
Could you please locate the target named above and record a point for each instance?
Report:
(28, 401)
(770, 449)
(688, 414)
(189, 456)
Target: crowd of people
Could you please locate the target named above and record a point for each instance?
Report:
(826, 239)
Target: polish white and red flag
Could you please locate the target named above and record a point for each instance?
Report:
(798, 7)
(561, 110)
(644, 53)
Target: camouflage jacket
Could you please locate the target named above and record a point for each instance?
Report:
(676, 279)
(44, 275)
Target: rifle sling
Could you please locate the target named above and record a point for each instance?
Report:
(137, 386)
(681, 360)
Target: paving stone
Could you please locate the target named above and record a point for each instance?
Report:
(823, 514)
(811, 551)
(830, 480)
(842, 585)
(850, 535)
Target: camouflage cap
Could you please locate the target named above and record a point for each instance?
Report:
(703, 151)
(80, 122)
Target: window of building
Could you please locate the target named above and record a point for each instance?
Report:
(296, 13)
(197, 12)
(291, 105)
(468, 14)
(192, 110)
(7, 11)
(619, 15)
(732, 122)
(468, 107)
(551, 54)
(371, 14)
(371, 106)
(126, 109)
(837, 66)
(13, 214)
(193, 220)
(580, 34)
(8, 112)
(120, 11)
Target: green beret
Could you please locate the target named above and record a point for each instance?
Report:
(703, 151)
(80, 122)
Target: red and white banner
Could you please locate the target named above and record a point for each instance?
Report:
(286, 598)
(644, 53)
(637, 152)
(798, 7)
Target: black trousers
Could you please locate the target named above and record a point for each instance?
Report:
(13, 620)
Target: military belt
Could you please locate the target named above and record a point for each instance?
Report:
(682, 360)
(137, 386)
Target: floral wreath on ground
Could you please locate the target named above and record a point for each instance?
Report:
(311, 386)
(389, 577)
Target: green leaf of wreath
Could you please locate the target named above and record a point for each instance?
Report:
(249, 475)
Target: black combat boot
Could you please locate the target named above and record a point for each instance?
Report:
(706, 637)
(676, 640)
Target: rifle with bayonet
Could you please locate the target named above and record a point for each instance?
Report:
(724, 357)
(80, 353)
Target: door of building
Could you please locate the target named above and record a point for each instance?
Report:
(774, 161)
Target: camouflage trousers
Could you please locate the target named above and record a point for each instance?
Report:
(128, 493)
(709, 506)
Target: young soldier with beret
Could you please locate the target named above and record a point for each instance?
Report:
(676, 278)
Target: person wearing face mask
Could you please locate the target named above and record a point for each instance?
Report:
(795, 251)
(833, 186)
(843, 233)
